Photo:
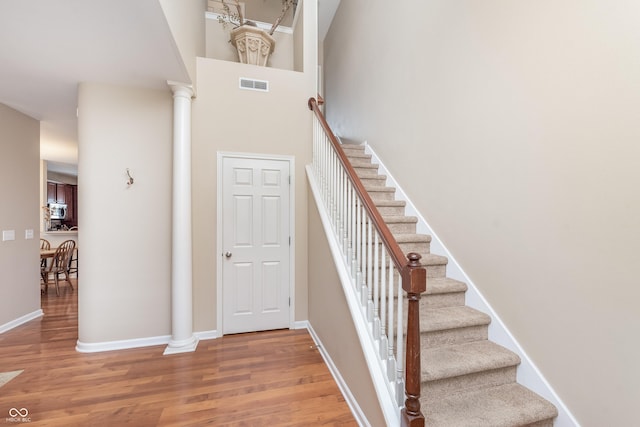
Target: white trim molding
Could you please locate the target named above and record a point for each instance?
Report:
(262, 25)
(357, 412)
(21, 320)
(292, 231)
(301, 324)
(207, 335)
(527, 374)
(83, 347)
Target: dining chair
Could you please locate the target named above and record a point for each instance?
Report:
(59, 265)
(44, 244)
(73, 262)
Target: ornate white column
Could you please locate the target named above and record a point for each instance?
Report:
(182, 338)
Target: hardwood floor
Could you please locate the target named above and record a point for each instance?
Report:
(275, 378)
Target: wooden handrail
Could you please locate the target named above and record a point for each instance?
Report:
(398, 257)
(414, 279)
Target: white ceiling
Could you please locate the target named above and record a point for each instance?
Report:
(48, 47)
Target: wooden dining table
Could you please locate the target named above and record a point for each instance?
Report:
(47, 253)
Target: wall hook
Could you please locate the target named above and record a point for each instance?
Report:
(130, 180)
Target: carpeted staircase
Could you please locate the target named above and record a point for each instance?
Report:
(467, 381)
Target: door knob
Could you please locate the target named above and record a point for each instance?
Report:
(228, 254)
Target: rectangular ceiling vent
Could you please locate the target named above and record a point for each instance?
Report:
(252, 84)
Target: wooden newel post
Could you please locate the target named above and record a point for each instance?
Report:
(414, 283)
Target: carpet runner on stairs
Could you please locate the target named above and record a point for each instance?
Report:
(467, 380)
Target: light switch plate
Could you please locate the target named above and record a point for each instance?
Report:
(28, 234)
(8, 235)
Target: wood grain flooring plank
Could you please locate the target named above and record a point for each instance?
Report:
(274, 378)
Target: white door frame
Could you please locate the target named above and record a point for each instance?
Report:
(219, 244)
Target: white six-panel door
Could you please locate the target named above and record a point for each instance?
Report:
(255, 244)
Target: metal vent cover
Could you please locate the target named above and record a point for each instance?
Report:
(252, 84)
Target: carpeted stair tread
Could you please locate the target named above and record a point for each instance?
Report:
(467, 380)
(412, 238)
(507, 405)
(363, 164)
(349, 144)
(391, 207)
(357, 154)
(367, 173)
(444, 318)
(395, 203)
(433, 260)
(400, 218)
(444, 285)
(373, 180)
(466, 358)
(379, 188)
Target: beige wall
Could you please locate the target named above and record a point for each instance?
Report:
(275, 123)
(20, 189)
(229, 119)
(337, 331)
(186, 20)
(298, 38)
(513, 126)
(126, 232)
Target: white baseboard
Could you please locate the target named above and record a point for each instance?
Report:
(207, 335)
(301, 324)
(121, 344)
(20, 320)
(528, 374)
(342, 385)
(138, 342)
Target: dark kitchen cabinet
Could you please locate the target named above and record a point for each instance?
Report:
(51, 192)
(71, 197)
(56, 193)
(66, 194)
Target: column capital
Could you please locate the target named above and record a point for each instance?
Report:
(181, 89)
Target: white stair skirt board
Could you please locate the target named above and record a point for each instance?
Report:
(21, 320)
(527, 374)
(387, 404)
(342, 385)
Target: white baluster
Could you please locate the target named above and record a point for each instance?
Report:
(340, 219)
(391, 365)
(349, 225)
(337, 198)
(369, 270)
(354, 238)
(365, 261)
(345, 221)
(358, 244)
(400, 345)
(383, 304)
(376, 287)
(365, 256)
(332, 181)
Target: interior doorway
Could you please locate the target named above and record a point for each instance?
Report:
(254, 242)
